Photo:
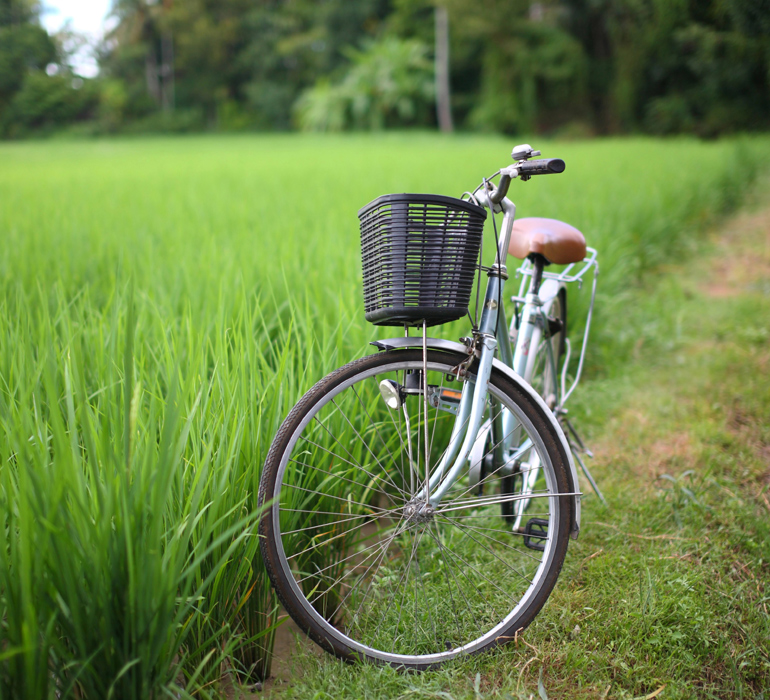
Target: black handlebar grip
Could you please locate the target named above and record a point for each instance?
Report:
(543, 166)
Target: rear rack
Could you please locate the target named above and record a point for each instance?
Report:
(589, 262)
(564, 276)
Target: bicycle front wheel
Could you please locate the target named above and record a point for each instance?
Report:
(364, 566)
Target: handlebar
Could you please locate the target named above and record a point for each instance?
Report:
(494, 197)
(542, 166)
(525, 170)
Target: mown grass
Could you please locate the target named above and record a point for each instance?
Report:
(164, 302)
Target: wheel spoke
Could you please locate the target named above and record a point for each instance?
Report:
(367, 519)
(337, 563)
(365, 444)
(402, 581)
(378, 555)
(350, 455)
(376, 429)
(319, 545)
(491, 500)
(436, 413)
(487, 516)
(490, 451)
(473, 568)
(448, 567)
(378, 561)
(342, 459)
(344, 478)
(398, 430)
(339, 498)
(471, 528)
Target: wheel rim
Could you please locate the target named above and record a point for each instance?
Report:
(366, 560)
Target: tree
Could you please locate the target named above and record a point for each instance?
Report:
(24, 46)
(29, 97)
(389, 83)
(134, 52)
(532, 72)
(233, 59)
(443, 99)
(672, 66)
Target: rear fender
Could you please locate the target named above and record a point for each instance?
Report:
(548, 292)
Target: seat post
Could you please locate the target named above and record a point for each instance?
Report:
(538, 262)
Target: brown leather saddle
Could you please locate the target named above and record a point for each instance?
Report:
(557, 242)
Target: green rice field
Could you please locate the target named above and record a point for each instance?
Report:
(163, 305)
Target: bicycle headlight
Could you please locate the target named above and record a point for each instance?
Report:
(391, 393)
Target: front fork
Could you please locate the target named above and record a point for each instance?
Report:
(470, 413)
(469, 416)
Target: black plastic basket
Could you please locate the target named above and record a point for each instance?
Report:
(419, 254)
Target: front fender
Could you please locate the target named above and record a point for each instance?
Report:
(441, 344)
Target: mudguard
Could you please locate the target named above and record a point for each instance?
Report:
(441, 344)
(548, 290)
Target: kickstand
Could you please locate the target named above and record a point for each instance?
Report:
(577, 446)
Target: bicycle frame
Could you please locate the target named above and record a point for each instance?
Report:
(491, 336)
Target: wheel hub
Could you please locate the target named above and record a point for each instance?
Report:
(418, 512)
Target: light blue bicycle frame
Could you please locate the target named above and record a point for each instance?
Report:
(492, 334)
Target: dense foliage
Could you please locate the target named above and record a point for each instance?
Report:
(517, 66)
(36, 88)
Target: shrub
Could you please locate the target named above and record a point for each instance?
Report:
(390, 83)
(50, 100)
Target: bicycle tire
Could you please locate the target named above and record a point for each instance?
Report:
(313, 516)
(544, 380)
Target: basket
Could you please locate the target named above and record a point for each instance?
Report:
(419, 254)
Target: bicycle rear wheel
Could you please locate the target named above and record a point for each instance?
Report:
(359, 561)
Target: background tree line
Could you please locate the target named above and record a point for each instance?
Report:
(516, 66)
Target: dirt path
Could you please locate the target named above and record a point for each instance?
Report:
(655, 434)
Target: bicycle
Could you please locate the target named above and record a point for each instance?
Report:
(400, 523)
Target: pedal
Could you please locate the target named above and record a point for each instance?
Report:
(535, 534)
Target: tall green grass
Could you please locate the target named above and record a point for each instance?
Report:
(163, 304)
(113, 537)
